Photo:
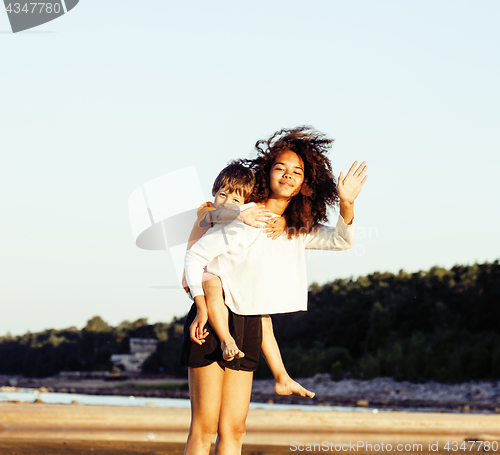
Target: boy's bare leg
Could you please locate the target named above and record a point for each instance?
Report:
(284, 384)
(218, 317)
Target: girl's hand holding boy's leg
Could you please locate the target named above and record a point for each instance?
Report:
(197, 330)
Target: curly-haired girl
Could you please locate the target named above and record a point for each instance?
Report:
(261, 276)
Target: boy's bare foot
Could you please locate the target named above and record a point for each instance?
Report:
(288, 386)
(230, 351)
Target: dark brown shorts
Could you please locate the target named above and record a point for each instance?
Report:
(246, 331)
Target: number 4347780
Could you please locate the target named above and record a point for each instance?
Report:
(33, 8)
(471, 446)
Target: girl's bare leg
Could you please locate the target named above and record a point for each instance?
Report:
(205, 392)
(218, 317)
(284, 384)
(236, 391)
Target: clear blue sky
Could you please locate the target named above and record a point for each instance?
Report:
(116, 93)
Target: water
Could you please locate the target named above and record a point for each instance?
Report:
(113, 400)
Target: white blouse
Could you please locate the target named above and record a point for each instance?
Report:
(260, 275)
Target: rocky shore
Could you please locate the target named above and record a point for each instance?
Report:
(385, 392)
(382, 392)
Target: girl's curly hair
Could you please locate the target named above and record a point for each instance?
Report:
(319, 190)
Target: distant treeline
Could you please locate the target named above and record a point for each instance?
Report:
(440, 324)
(49, 352)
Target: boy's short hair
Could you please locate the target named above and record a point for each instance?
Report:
(236, 177)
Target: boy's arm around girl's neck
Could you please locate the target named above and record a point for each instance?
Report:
(221, 214)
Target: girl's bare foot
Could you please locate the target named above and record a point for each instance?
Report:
(230, 351)
(287, 386)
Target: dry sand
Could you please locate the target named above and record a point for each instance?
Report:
(73, 429)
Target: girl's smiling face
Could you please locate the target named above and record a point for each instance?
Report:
(287, 175)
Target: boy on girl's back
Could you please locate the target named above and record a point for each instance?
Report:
(231, 189)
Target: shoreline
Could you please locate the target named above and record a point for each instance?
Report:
(381, 393)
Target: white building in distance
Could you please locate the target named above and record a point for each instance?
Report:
(140, 350)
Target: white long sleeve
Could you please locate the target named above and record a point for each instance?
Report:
(340, 237)
(260, 275)
(224, 245)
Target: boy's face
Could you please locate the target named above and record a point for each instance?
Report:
(225, 197)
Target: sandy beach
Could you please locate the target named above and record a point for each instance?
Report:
(37, 428)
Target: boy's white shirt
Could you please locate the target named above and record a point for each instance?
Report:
(260, 275)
